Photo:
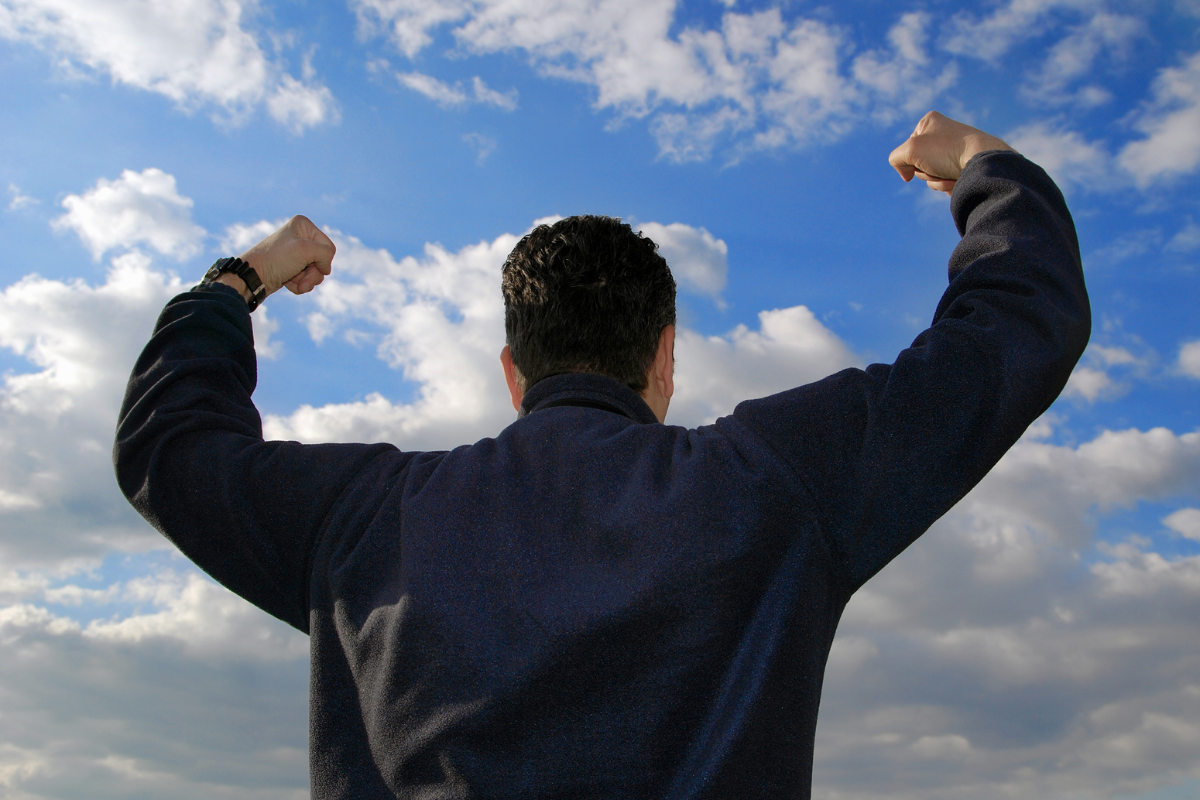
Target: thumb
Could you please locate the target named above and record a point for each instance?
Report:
(901, 161)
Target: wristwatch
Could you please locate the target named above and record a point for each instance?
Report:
(244, 271)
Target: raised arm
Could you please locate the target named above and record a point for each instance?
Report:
(189, 451)
(887, 450)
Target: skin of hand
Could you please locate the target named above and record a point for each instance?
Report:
(299, 256)
(939, 149)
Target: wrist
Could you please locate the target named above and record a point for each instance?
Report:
(229, 279)
(981, 143)
(238, 274)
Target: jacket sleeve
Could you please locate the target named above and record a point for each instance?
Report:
(887, 450)
(190, 457)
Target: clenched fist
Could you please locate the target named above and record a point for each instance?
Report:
(299, 256)
(939, 149)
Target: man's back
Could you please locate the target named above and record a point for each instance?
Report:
(578, 607)
(593, 604)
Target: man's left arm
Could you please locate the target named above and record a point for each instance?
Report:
(886, 451)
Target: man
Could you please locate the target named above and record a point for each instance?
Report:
(594, 604)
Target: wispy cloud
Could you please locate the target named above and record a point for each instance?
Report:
(19, 199)
(451, 95)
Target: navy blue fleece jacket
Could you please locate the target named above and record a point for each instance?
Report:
(593, 604)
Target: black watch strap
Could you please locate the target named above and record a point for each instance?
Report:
(254, 284)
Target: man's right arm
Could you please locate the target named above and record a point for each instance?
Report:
(189, 452)
(887, 450)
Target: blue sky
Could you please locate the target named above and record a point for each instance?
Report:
(1040, 641)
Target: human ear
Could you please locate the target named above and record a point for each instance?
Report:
(510, 377)
(664, 362)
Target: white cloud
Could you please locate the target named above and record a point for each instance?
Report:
(1186, 240)
(903, 71)
(1088, 383)
(1172, 127)
(1066, 155)
(240, 237)
(205, 618)
(491, 97)
(440, 319)
(756, 82)
(698, 260)
(441, 93)
(951, 746)
(991, 36)
(136, 208)
(95, 710)
(408, 22)
(1189, 359)
(195, 53)
(1124, 247)
(298, 106)
(58, 498)
(996, 658)
(1091, 379)
(19, 199)
(715, 373)
(56, 422)
(1185, 522)
(1074, 57)
(482, 144)
(1013, 661)
(447, 95)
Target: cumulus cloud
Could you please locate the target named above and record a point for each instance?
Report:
(1171, 123)
(299, 106)
(1003, 655)
(1092, 378)
(197, 53)
(714, 373)
(1189, 359)
(128, 707)
(240, 237)
(757, 81)
(1185, 522)
(698, 260)
(439, 319)
(1013, 657)
(138, 208)
(58, 499)
(56, 421)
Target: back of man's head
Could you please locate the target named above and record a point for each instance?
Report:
(586, 294)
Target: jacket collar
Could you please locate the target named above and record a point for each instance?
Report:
(589, 390)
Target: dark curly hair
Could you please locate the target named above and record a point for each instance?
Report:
(586, 294)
